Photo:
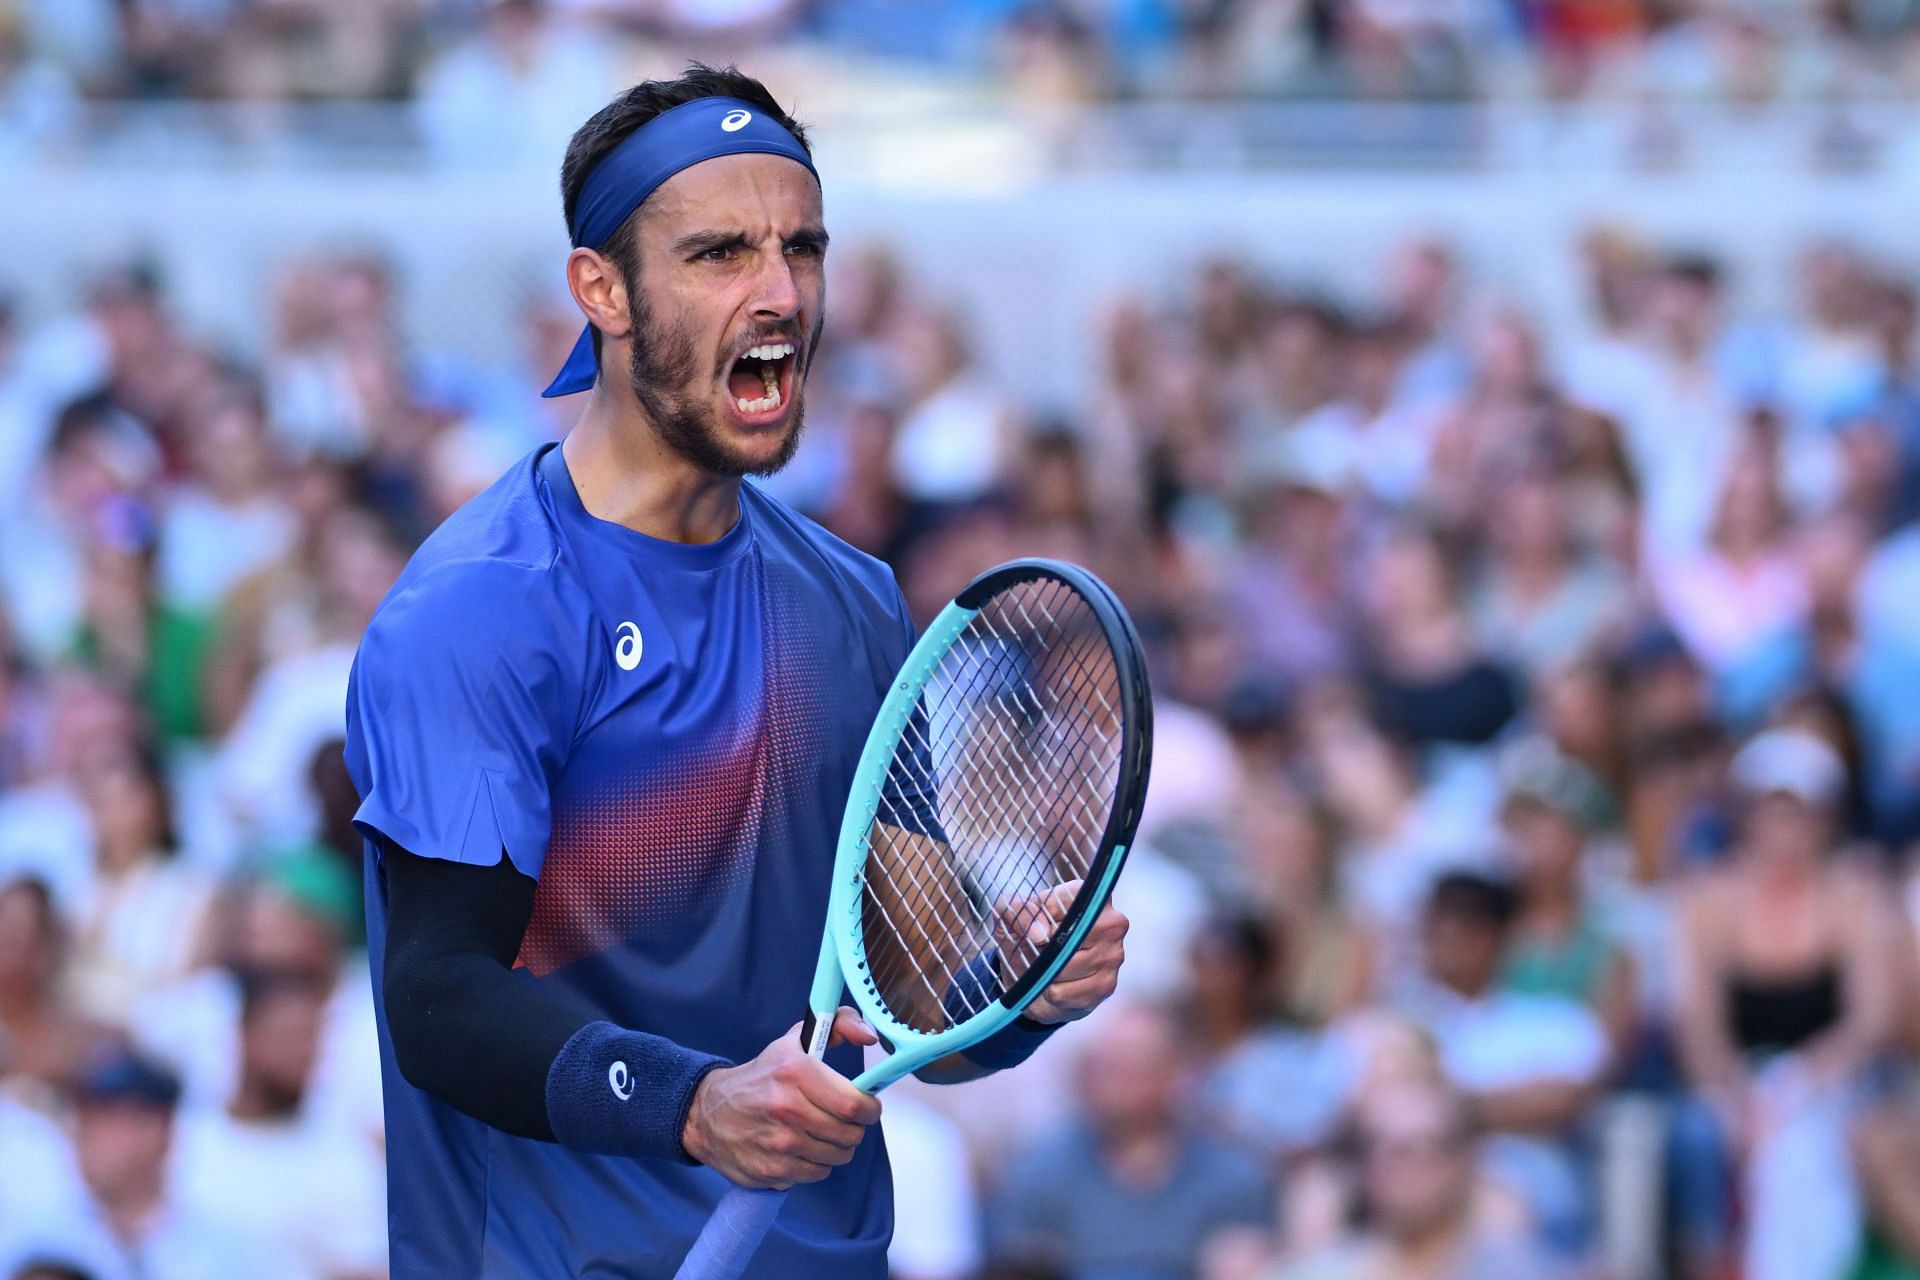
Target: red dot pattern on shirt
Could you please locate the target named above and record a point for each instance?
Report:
(656, 850)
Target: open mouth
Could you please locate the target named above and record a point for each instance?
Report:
(760, 383)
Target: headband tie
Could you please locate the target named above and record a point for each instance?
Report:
(677, 139)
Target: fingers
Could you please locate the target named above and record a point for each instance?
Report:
(806, 1134)
(1081, 997)
(1110, 925)
(1090, 976)
(785, 1117)
(1036, 918)
(1025, 922)
(850, 1028)
(834, 1095)
(1103, 949)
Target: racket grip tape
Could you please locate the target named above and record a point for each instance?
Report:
(727, 1243)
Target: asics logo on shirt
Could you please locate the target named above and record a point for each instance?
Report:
(626, 650)
(620, 1080)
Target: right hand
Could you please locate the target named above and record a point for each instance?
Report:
(784, 1117)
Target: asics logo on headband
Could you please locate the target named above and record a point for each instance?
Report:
(734, 121)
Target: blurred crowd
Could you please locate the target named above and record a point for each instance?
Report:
(1526, 886)
(449, 55)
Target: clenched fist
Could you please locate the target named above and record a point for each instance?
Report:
(783, 1117)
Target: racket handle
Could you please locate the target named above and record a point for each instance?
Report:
(741, 1220)
(726, 1244)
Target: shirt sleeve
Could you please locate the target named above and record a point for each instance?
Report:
(908, 633)
(459, 715)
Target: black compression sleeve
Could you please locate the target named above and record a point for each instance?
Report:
(467, 1026)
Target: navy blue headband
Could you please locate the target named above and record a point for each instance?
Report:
(703, 129)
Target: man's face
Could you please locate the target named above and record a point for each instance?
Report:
(1417, 1165)
(1784, 827)
(279, 1042)
(1129, 1080)
(726, 307)
(122, 1146)
(1463, 952)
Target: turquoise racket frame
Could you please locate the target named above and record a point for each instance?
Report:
(743, 1216)
(843, 960)
(843, 952)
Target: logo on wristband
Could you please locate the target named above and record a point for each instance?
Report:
(620, 1080)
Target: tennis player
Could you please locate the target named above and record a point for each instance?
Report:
(603, 727)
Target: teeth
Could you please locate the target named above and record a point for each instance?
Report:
(764, 404)
(769, 351)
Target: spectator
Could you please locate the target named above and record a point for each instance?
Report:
(1787, 960)
(1293, 593)
(1563, 944)
(1496, 427)
(298, 700)
(1426, 1221)
(1427, 677)
(1543, 600)
(293, 920)
(227, 521)
(1126, 1188)
(1529, 1064)
(954, 443)
(1746, 583)
(1383, 443)
(1886, 1147)
(124, 1137)
(97, 463)
(258, 1163)
(1325, 966)
(1677, 403)
(514, 89)
(1243, 1050)
(43, 1200)
(46, 1041)
(141, 925)
(1399, 834)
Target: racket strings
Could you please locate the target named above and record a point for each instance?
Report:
(996, 800)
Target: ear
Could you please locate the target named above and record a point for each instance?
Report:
(599, 291)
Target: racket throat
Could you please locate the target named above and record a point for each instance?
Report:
(814, 1034)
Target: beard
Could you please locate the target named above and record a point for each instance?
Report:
(663, 370)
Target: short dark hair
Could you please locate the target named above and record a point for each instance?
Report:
(40, 1267)
(259, 988)
(1697, 269)
(611, 125)
(1477, 899)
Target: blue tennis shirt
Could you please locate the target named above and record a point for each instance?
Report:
(662, 735)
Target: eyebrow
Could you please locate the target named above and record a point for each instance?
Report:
(698, 242)
(702, 241)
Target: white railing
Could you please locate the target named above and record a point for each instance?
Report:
(967, 142)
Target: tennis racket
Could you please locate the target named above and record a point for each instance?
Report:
(990, 813)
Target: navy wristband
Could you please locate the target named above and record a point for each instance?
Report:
(1010, 1046)
(623, 1093)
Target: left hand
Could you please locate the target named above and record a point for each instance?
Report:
(1091, 973)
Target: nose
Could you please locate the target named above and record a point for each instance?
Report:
(776, 293)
